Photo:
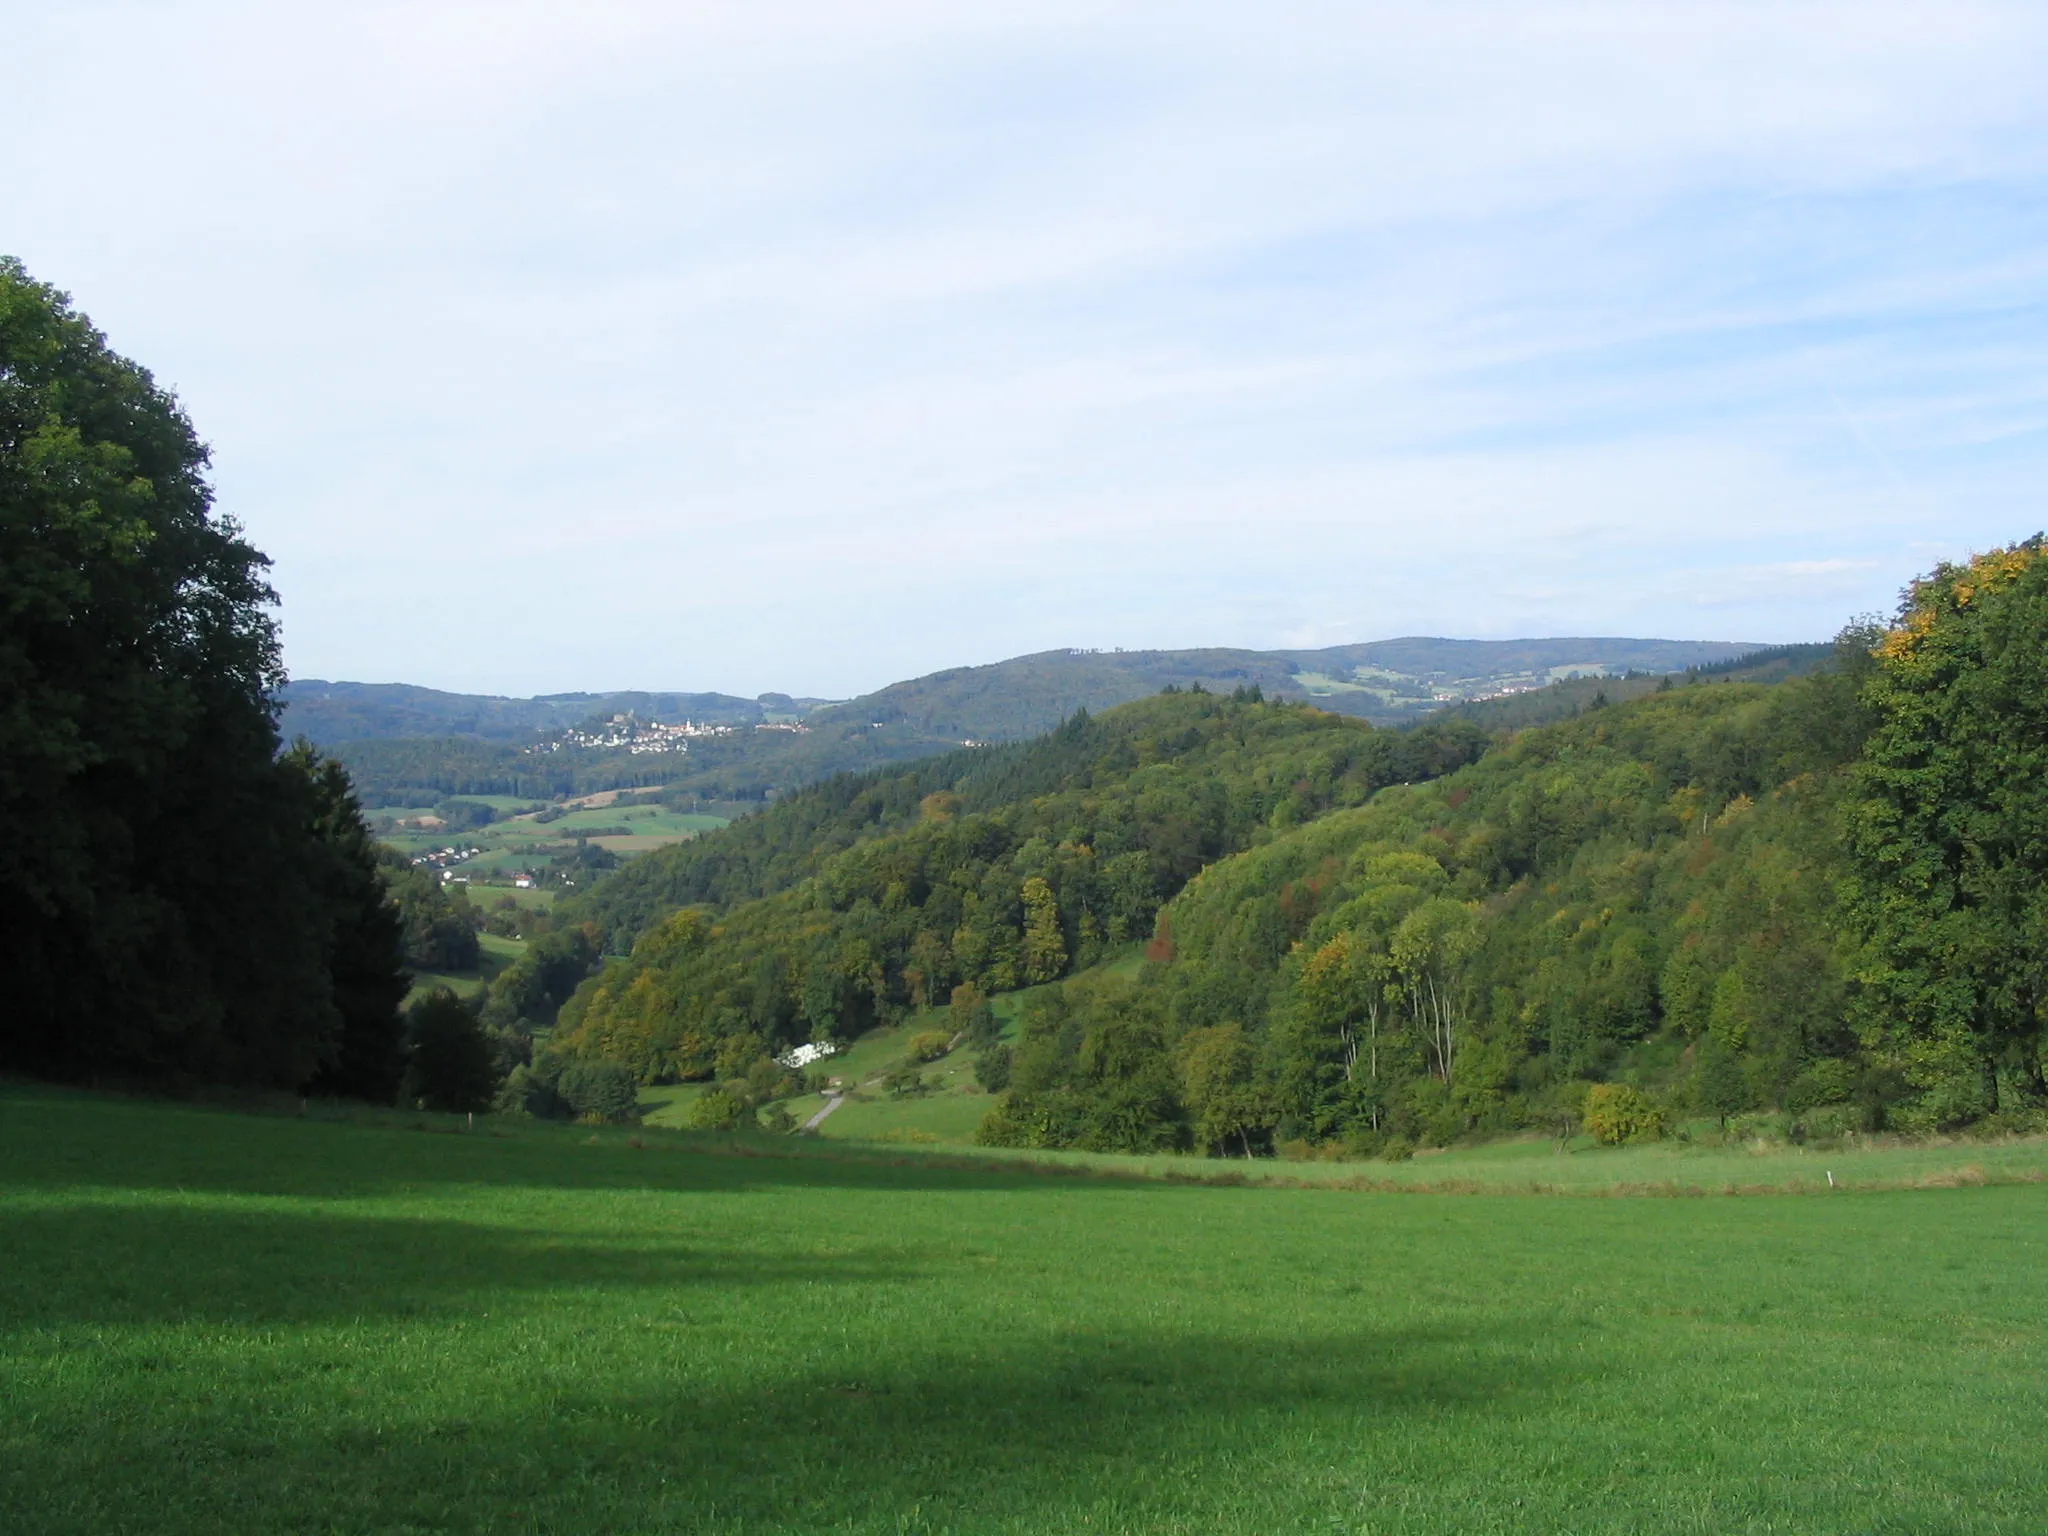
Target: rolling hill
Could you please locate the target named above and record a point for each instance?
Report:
(1384, 680)
(411, 745)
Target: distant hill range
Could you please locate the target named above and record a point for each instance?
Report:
(333, 712)
(408, 744)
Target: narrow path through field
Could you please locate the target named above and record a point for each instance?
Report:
(831, 1103)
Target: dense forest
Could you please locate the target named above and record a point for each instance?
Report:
(996, 870)
(1644, 894)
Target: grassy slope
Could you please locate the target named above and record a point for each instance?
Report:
(211, 1322)
(493, 954)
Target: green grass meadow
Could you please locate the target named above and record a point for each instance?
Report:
(214, 1321)
(494, 953)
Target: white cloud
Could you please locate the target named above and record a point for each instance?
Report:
(806, 346)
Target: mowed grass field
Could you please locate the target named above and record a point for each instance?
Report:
(212, 1321)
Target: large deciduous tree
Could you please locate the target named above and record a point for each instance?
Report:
(170, 902)
(1950, 834)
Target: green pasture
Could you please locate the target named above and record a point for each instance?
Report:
(214, 1321)
(668, 1105)
(1323, 683)
(943, 1118)
(385, 814)
(643, 820)
(1579, 1167)
(524, 843)
(639, 842)
(532, 898)
(493, 953)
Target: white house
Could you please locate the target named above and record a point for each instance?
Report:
(804, 1055)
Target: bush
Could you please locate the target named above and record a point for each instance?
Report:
(1617, 1113)
(930, 1045)
(1719, 1087)
(1396, 1149)
(603, 1091)
(1826, 1081)
(992, 1068)
(972, 1016)
(714, 1111)
(767, 1080)
(526, 1091)
(904, 1083)
(777, 1119)
(447, 1056)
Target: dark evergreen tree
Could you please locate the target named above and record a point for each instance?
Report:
(366, 962)
(448, 1063)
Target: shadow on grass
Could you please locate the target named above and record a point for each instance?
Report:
(1022, 1433)
(167, 1262)
(58, 1139)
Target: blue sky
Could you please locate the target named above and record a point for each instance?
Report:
(807, 347)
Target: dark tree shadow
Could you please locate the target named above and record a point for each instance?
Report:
(206, 1363)
(138, 1264)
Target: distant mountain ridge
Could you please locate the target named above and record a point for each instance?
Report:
(1388, 681)
(407, 745)
(340, 711)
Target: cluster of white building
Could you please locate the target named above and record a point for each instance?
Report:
(445, 860)
(629, 733)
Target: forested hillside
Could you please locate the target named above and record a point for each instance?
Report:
(860, 900)
(1646, 893)
(1821, 895)
(1568, 698)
